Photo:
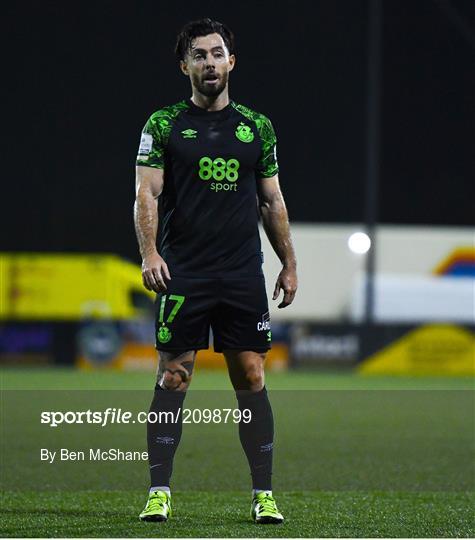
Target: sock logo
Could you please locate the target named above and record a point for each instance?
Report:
(165, 440)
(267, 447)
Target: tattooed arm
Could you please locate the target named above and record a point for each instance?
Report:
(148, 186)
(276, 226)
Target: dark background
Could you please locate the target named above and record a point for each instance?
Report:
(82, 78)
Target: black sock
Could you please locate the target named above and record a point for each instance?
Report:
(163, 437)
(257, 436)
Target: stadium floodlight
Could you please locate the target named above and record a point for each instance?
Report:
(359, 242)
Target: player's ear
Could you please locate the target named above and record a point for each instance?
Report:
(232, 62)
(184, 67)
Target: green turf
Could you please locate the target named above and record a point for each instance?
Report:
(224, 514)
(68, 378)
(355, 456)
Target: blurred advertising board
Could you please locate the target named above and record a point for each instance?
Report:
(427, 349)
(325, 345)
(36, 343)
(431, 349)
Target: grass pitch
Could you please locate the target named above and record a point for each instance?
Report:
(225, 514)
(355, 456)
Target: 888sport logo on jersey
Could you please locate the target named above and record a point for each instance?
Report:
(221, 174)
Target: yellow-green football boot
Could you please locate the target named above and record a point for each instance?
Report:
(264, 508)
(158, 507)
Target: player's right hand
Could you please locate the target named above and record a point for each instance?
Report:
(154, 273)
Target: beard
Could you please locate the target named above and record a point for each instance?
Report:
(211, 90)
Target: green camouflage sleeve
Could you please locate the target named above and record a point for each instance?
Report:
(151, 149)
(267, 165)
(156, 133)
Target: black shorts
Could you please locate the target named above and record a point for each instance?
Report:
(235, 308)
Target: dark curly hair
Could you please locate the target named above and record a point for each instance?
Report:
(202, 27)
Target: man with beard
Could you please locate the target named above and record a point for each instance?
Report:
(210, 160)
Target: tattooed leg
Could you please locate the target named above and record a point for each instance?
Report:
(175, 370)
(173, 378)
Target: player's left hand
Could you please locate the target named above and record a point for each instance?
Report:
(287, 281)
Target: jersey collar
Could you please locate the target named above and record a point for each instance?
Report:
(194, 109)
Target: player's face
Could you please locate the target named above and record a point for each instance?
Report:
(208, 64)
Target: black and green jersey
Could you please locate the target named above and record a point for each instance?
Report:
(212, 162)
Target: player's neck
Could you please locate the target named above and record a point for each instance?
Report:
(211, 103)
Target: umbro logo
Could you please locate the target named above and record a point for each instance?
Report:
(189, 133)
(165, 440)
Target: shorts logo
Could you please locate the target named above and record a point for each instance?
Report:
(244, 133)
(265, 323)
(164, 335)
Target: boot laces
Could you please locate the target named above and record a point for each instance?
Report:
(267, 503)
(157, 500)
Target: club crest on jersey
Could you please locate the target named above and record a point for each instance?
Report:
(164, 335)
(244, 133)
(189, 133)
